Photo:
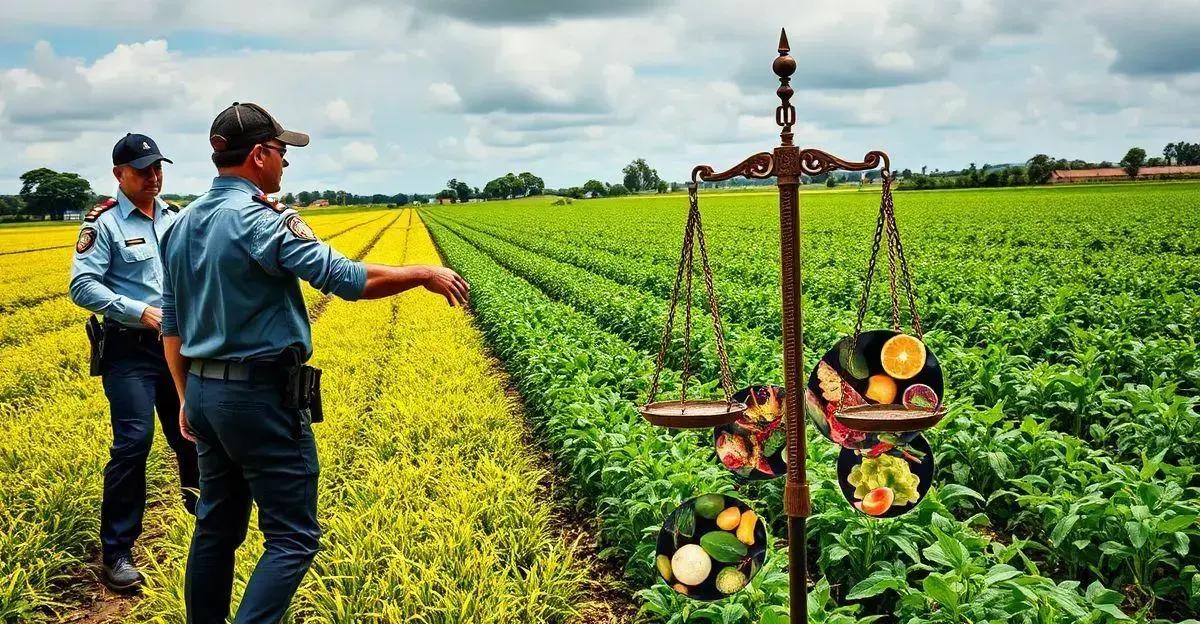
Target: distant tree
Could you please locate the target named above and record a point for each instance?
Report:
(48, 192)
(446, 194)
(1186, 153)
(1105, 164)
(304, 198)
(533, 185)
(289, 199)
(10, 205)
(1133, 161)
(638, 176)
(400, 199)
(830, 181)
(461, 190)
(595, 187)
(662, 187)
(674, 186)
(1156, 161)
(617, 190)
(1039, 169)
(907, 173)
(1016, 176)
(575, 192)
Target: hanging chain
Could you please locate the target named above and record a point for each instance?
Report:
(866, 293)
(896, 258)
(714, 309)
(666, 336)
(891, 249)
(692, 232)
(894, 234)
(686, 374)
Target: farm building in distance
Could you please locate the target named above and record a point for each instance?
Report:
(317, 203)
(1117, 174)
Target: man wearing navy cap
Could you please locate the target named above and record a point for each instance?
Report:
(117, 273)
(235, 331)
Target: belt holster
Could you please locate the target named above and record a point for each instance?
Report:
(96, 335)
(302, 390)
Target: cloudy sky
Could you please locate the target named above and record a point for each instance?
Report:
(402, 96)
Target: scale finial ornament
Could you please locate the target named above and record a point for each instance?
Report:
(784, 66)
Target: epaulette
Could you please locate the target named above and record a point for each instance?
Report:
(172, 206)
(100, 209)
(270, 203)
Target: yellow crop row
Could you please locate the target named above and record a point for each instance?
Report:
(54, 433)
(430, 504)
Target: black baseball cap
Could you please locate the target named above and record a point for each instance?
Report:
(244, 125)
(138, 151)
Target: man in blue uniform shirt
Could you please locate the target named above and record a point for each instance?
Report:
(234, 322)
(117, 273)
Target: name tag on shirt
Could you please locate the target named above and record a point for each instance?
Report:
(129, 242)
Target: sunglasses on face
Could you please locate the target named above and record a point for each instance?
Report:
(282, 150)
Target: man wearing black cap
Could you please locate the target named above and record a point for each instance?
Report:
(236, 331)
(117, 273)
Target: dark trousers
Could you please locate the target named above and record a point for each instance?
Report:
(251, 448)
(138, 384)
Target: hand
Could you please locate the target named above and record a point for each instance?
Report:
(184, 428)
(448, 284)
(152, 318)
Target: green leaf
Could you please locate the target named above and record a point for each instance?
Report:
(999, 573)
(875, 584)
(1062, 529)
(1138, 533)
(937, 588)
(1177, 523)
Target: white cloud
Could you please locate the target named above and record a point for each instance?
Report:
(341, 120)
(359, 153)
(402, 97)
(444, 96)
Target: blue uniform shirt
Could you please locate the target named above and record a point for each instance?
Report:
(117, 270)
(232, 275)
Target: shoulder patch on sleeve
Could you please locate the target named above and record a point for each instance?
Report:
(299, 228)
(270, 203)
(100, 209)
(87, 239)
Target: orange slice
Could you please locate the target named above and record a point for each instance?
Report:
(903, 356)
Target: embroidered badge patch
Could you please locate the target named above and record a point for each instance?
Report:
(299, 228)
(87, 238)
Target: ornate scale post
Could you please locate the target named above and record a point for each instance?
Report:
(787, 163)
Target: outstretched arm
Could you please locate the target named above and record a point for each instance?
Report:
(384, 281)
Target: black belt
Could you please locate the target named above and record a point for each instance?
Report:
(123, 333)
(238, 371)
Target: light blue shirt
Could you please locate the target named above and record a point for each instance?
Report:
(117, 270)
(232, 269)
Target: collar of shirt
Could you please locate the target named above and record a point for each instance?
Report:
(126, 207)
(235, 183)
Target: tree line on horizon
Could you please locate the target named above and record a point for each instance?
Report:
(46, 193)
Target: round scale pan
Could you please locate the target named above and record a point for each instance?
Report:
(890, 418)
(692, 414)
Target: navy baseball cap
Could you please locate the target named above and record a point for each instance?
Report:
(245, 124)
(138, 151)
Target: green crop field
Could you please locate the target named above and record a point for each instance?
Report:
(1066, 320)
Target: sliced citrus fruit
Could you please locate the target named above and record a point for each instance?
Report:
(903, 356)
